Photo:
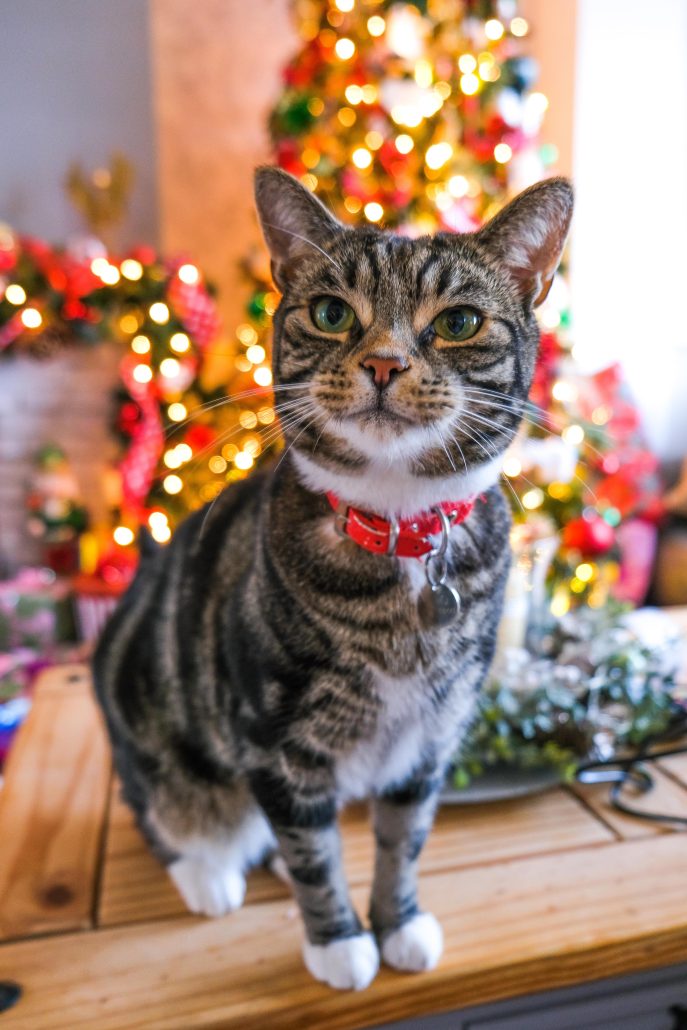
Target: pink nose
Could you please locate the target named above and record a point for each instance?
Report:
(382, 369)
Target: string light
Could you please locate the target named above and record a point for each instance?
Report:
(369, 93)
(438, 154)
(502, 153)
(564, 391)
(217, 464)
(353, 205)
(347, 116)
(159, 528)
(573, 434)
(374, 139)
(248, 419)
(177, 411)
(266, 416)
(170, 368)
(467, 63)
(123, 536)
(189, 274)
(142, 373)
(159, 312)
(519, 27)
(361, 158)
(493, 29)
(345, 48)
(243, 460)
(99, 265)
(309, 181)
(345, 5)
(246, 334)
(512, 467)
(376, 25)
(256, 354)
(585, 572)
(172, 484)
(533, 498)
(353, 94)
(110, 275)
(469, 84)
(458, 186)
(404, 143)
(140, 344)
(262, 376)
(15, 294)
(128, 323)
(179, 342)
(131, 269)
(374, 212)
(32, 318)
(171, 459)
(184, 451)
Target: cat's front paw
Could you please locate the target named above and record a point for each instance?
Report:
(415, 946)
(207, 890)
(349, 964)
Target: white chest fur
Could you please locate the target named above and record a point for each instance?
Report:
(397, 747)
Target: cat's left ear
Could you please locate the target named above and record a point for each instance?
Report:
(294, 222)
(529, 234)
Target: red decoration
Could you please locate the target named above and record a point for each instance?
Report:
(590, 536)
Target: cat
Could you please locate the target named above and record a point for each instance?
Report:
(271, 663)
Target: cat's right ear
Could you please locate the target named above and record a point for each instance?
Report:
(294, 222)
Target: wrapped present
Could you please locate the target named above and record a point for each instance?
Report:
(35, 611)
(12, 715)
(95, 599)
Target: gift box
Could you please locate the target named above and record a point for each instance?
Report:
(35, 611)
(94, 601)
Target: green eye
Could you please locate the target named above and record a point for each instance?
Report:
(457, 324)
(332, 315)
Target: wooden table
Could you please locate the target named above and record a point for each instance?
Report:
(533, 895)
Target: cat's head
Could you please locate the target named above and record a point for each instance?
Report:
(401, 364)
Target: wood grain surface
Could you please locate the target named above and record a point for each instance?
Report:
(511, 928)
(533, 894)
(52, 810)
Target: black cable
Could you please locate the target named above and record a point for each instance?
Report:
(631, 771)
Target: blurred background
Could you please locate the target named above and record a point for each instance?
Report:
(135, 295)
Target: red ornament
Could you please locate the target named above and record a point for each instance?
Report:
(590, 536)
(200, 437)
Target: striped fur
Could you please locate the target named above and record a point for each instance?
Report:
(261, 671)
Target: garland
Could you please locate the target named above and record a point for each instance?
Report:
(161, 312)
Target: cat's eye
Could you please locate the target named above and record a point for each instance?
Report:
(457, 324)
(332, 315)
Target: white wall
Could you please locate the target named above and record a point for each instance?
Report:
(75, 85)
(629, 266)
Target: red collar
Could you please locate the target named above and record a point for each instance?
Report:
(406, 538)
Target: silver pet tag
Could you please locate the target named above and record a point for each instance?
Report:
(438, 604)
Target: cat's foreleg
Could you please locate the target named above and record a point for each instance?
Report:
(409, 939)
(336, 950)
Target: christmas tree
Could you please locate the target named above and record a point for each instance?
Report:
(423, 117)
(415, 116)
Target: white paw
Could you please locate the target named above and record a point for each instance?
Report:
(206, 889)
(415, 946)
(349, 964)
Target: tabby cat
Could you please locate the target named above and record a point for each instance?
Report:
(279, 657)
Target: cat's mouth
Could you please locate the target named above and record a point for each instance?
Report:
(378, 415)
